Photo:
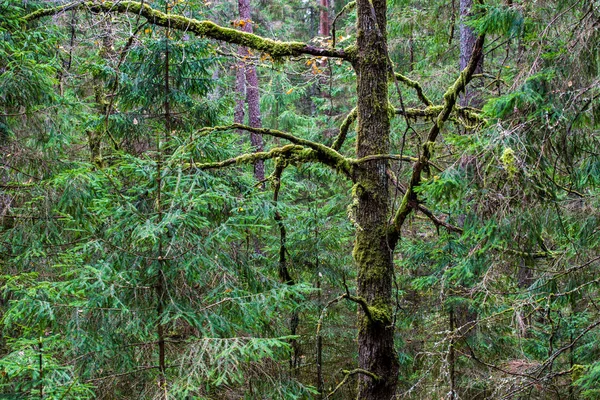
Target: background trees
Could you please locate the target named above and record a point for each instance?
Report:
(129, 257)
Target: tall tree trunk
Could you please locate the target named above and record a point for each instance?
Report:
(373, 256)
(467, 41)
(252, 94)
(324, 18)
(106, 53)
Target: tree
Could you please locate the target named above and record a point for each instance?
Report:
(496, 193)
(247, 83)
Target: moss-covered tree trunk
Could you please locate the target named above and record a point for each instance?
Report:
(372, 253)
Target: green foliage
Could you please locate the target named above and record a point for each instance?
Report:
(504, 278)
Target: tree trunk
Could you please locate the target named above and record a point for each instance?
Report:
(95, 135)
(467, 41)
(324, 18)
(252, 94)
(372, 254)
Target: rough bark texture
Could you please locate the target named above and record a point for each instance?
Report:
(252, 94)
(372, 254)
(324, 18)
(467, 41)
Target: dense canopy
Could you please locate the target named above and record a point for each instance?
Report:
(302, 199)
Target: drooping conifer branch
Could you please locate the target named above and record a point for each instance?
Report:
(206, 29)
(410, 201)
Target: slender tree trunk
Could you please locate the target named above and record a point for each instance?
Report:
(372, 253)
(451, 357)
(240, 90)
(324, 29)
(252, 93)
(467, 41)
(95, 135)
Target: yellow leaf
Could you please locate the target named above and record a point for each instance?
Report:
(289, 91)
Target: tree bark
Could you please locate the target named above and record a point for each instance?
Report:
(324, 18)
(467, 41)
(106, 53)
(252, 94)
(372, 254)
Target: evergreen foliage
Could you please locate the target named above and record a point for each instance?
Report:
(133, 266)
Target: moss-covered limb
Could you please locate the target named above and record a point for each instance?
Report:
(409, 202)
(362, 303)
(427, 212)
(415, 85)
(348, 374)
(201, 28)
(395, 157)
(324, 310)
(344, 127)
(431, 111)
(348, 7)
(324, 154)
(468, 114)
(290, 151)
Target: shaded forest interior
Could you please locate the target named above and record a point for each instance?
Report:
(302, 199)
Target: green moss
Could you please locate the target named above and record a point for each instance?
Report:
(509, 161)
(351, 52)
(381, 314)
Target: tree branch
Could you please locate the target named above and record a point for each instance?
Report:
(409, 201)
(201, 28)
(395, 157)
(322, 153)
(288, 151)
(348, 374)
(430, 111)
(415, 85)
(428, 213)
(339, 141)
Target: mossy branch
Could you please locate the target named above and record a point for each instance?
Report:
(348, 374)
(415, 85)
(290, 152)
(362, 303)
(339, 141)
(348, 7)
(201, 28)
(409, 201)
(430, 112)
(322, 153)
(428, 213)
(395, 157)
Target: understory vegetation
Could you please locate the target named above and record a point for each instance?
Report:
(299, 199)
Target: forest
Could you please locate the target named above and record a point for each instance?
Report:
(300, 199)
